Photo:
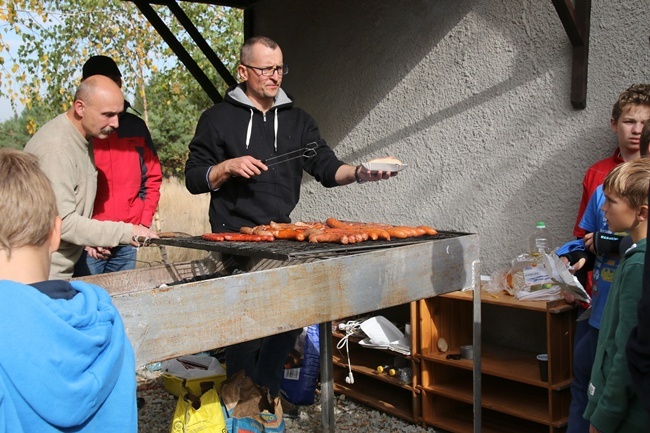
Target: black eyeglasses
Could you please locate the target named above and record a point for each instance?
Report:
(268, 72)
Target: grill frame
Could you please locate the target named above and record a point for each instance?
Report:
(286, 250)
(166, 321)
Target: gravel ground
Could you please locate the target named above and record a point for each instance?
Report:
(350, 416)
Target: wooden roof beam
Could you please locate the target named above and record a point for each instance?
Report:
(576, 22)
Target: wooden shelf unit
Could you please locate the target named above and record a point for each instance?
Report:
(513, 397)
(379, 390)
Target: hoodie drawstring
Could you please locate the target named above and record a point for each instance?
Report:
(275, 130)
(250, 128)
(275, 142)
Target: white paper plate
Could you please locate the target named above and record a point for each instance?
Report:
(402, 346)
(381, 331)
(382, 166)
(366, 343)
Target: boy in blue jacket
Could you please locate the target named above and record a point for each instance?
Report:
(66, 363)
(613, 405)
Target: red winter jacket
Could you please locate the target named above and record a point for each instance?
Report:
(128, 174)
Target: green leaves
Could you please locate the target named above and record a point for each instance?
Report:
(58, 36)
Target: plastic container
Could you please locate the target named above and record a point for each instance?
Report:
(540, 240)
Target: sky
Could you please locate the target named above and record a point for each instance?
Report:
(5, 109)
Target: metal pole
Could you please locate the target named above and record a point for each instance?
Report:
(476, 341)
(326, 377)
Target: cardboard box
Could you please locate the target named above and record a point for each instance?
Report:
(194, 369)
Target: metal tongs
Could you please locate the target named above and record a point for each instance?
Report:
(309, 151)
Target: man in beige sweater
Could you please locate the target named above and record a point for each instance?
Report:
(64, 148)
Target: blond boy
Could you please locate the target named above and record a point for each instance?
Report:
(613, 406)
(65, 363)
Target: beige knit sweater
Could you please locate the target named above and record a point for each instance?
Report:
(66, 157)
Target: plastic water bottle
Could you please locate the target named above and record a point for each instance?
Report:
(541, 240)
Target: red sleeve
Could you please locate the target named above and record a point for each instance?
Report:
(578, 231)
(594, 177)
(152, 180)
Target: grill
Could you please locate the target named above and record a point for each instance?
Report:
(293, 250)
(179, 308)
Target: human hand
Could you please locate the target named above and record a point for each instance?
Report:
(244, 166)
(589, 242)
(593, 429)
(365, 175)
(98, 253)
(568, 297)
(140, 231)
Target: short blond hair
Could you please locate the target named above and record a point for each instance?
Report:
(630, 181)
(27, 201)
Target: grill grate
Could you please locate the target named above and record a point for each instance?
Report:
(289, 250)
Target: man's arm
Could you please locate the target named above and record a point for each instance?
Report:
(76, 228)
(245, 166)
(203, 158)
(347, 174)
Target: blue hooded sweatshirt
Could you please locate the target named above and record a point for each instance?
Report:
(66, 364)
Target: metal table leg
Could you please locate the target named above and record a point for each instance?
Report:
(476, 372)
(326, 377)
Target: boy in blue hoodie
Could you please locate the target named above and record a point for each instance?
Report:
(66, 363)
(613, 405)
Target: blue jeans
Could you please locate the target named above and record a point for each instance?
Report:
(262, 359)
(583, 359)
(122, 258)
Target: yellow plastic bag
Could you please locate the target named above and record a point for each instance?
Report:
(199, 415)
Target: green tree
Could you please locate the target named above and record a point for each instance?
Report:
(175, 97)
(13, 132)
(58, 36)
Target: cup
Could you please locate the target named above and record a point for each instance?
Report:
(542, 360)
(467, 351)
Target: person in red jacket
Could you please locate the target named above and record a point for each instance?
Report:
(128, 179)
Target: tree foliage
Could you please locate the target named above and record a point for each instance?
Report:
(58, 36)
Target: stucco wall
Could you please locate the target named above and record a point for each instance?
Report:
(473, 95)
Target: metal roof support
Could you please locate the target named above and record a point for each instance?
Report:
(200, 41)
(178, 49)
(249, 28)
(576, 22)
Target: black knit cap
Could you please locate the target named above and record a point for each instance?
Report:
(100, 65)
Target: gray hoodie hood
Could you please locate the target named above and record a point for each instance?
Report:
(238, 96)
